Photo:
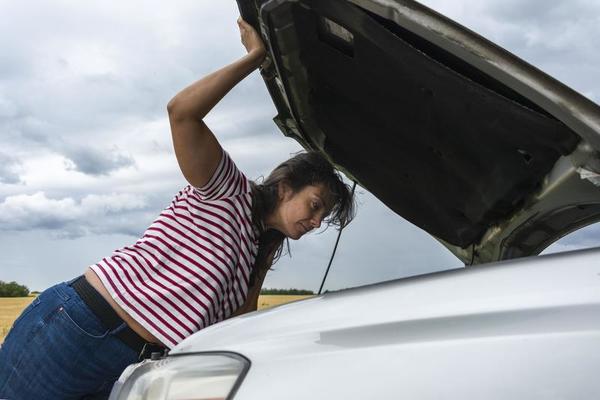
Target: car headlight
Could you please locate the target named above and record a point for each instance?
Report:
(190, 376)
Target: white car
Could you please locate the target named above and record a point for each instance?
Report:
(489, 155)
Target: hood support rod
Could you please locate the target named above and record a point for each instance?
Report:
(336, 245)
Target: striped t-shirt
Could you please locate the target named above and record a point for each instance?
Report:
(192, 266)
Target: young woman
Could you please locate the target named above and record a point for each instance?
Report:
(201, 261)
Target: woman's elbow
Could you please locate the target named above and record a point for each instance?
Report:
(172, 106)
(176, 112)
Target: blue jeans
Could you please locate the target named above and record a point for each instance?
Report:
(58, 349)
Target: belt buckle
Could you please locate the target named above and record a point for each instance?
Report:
(154, 355)
(142, 352)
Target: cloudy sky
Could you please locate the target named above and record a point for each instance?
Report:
(86, 160)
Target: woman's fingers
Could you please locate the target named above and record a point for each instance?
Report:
(241, 21)
(251, 39)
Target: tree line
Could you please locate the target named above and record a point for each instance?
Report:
(13, 289)
(295, 292)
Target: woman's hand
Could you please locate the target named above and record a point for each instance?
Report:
(252, 42)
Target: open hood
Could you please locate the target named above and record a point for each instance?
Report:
(486, 153)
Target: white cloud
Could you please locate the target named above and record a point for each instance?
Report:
(7, 108)
(104, 204)
(97, 161)
(66, 216)
(9, 169)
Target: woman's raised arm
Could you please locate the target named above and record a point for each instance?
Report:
(197, 150)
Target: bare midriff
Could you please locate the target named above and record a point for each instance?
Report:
(93, 279)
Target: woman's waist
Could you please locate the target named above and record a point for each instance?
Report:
(97, 284)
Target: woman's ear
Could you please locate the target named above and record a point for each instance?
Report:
(284, 191)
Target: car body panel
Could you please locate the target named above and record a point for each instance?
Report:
(526, 328)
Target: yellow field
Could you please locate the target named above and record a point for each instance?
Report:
(267, 301)
(10, 308)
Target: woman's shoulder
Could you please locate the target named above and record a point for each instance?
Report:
(226, 182)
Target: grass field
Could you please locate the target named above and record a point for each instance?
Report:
(267, 301)
(10, 308)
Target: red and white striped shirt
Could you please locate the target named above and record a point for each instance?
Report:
(192, 266)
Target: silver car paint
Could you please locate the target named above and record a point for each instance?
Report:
(527, 329)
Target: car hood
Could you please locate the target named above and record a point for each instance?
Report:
(483, 151)
(514, 295)
(501, 331)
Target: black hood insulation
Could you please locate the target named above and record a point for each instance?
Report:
(445, 146)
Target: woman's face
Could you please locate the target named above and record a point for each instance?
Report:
(300, 212)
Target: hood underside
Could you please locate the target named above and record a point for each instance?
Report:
(436, 134)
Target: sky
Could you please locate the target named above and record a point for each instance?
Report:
(86, 160)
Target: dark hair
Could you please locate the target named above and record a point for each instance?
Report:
(310, 168)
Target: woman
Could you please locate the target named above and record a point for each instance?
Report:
(201, 261)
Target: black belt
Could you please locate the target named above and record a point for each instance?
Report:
(111, 320)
